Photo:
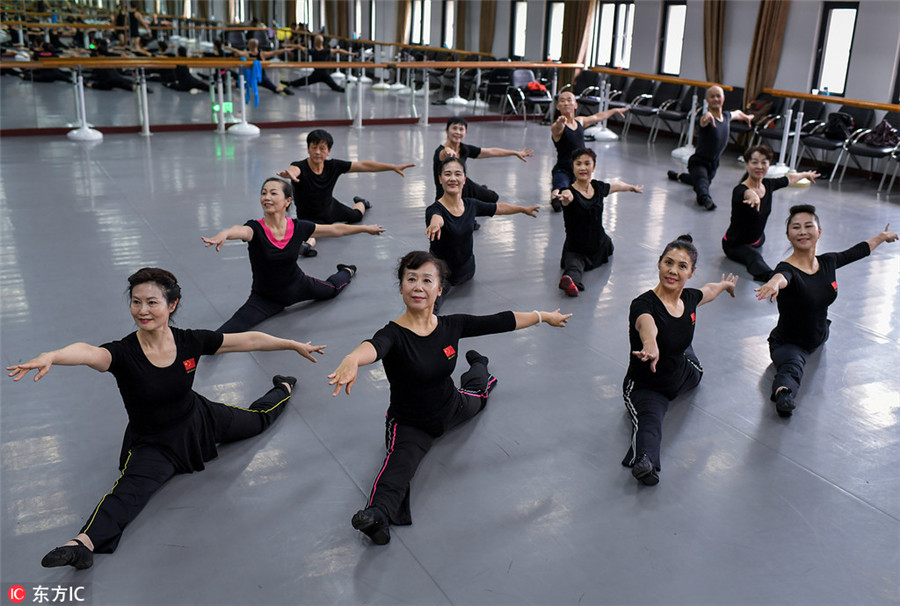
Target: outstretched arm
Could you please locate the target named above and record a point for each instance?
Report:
(588, 121)
(770, 289)
(260, 341)
(291, 172)
(235, 232)
(346, 373)
(342, 229)
(499, 152)
(886, 236)
(511, 209)
(556, 129)
(646, 327)
(751, 198)
(76, 354)
(524, 319)
(714, 289)
(810, 174)
(237, 52)
(377, 167)
(739, 115)
(618, 186)
(433, 231)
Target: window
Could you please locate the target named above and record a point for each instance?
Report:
(517, 29)
(449, 30)
(357, 20)
(673, 37)
(420, 22)
(553, 39)
(835, 44)
(614, 22)
(372, 20)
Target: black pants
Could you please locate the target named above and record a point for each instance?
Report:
(407, 445)
(146, 467)
(473, 190)
(266, 83)
(259, 307)
(574, 264)
(751, 256)
(790, 362)
(335, 213)
(318, 75)
(108, 79)
(700, 174)
(647, 408)
(186, 83)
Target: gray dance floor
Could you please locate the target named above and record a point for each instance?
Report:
(527, 504)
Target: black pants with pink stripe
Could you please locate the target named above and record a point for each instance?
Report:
(407, 445)
(259, 307)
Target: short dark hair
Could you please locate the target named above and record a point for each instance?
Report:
(162, 278)
(285, 186)
(451, 160)
(800, 209)
(456, 120)
(320, 136)
(418, 258)
(759, 149)
(683, 242)
(584, 151)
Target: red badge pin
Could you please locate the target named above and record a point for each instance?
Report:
(834, 285)
(693, 317)
(449, 351)
(190, 365)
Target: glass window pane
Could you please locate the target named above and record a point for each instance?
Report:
(554, 31)
(449, 16)
(521, 9)
(674, 39)
(836, 59)
(416, 37)
(624, 27)
(426, 21)
(605, 42)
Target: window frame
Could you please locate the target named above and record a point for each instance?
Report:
(595, 43)
(513, 15)
(547, 33)
(447, 5)
(827, 7)
(661, 59)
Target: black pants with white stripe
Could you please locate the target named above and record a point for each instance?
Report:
(146, 467)
(647, 408)
(407, 445)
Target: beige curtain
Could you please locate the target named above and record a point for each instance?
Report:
(460, 33)
(337, 17)
(486, 30)
(713, 28)
(404, 10)
(261, 10)
(767, 42)
(576, 37)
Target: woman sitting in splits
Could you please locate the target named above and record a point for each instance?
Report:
(419, 351)
(171, 429)
(662, 365)
(450, 222)
(805, 285)
(751, 204)
(274, 244)
(587, 245)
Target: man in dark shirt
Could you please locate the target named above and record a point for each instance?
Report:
(319, 52)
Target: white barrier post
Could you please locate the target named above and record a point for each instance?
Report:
(685, 152)
(145, 115)
(781, 169)
(83, 132)
(220, 94)
(456, 99)
(243, 127)
(424, 120)
(357, 123)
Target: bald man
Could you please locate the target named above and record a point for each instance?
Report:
(715, 126)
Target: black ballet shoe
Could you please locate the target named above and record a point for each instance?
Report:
(374, 524)
(363, 201)
(644, 472)
(76, 556)
(307, 251)
(278, 380)
(673, 176)
(350, 268)
(286, 91)
(706, 202)
(784, 403)
(473, 356)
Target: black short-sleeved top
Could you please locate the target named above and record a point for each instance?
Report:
(162, 408)
(803, 303)
(456, 246)
(274, 262)
(583, 218)
(419, 368)
(569, 141)
(747, 224)
(466, 151)
(313, 193)
(711, 140)
(674, 336)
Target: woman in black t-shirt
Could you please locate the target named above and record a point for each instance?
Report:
(751, 204)
(274, 244)
(805, 285)
(450, 222)
(587, 246)
(171, 429)
(662, 364)
(419, 351)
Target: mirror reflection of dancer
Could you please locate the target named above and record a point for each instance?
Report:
(450, 222)
(567, 134)
(274, 243)
(419, 351)
(254, 54)
(751, 204)
(805, 285)
(319, 52)
(587, 245)
(663, 365)
(171, 429)
(712, 138)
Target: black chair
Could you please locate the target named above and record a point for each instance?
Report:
(647, 106)
(773, 128)
(586, 89)
(856, 146)
(674, 112)
(764, 108)
(236, 38)
(818, 139)
(497, 82)
(734, 100)
(633, 91)
(519, 95)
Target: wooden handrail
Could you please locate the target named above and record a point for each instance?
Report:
(480, 64)
(659, 78)
(35, 24)
(172, 62)
(890, 107)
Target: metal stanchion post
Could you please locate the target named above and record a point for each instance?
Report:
(357, 122)
(424, 120)
(145, 116)
(220, 93)
(243, 127)
(781, 169)
(456, 99)
(685, 152)
(83, 132)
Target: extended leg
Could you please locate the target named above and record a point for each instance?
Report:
(252, 312)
